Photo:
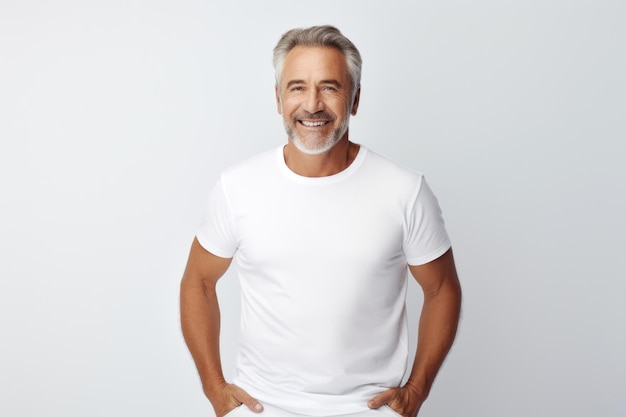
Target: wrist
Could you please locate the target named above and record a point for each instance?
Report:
(420, 390)
(214, 389)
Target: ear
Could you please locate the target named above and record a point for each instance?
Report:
(355, 103)
(279, 106)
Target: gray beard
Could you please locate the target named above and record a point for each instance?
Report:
(314, 147)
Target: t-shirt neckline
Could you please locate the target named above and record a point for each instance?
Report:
(340, 176)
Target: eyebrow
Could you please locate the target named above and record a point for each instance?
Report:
(294, 82)
(326, 82)
(331, 82)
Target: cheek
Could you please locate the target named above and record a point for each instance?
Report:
(288, 106)
(342, 108)
(340, 102)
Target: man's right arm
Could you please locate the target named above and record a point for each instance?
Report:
(200, 320)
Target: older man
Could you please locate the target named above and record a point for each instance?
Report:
(323, 230)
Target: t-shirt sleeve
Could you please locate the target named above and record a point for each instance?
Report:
(217, 232)
(426, 238)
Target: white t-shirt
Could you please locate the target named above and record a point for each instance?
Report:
(323, 269)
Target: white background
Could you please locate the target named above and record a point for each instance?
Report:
(116, 117)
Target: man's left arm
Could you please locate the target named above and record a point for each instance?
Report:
(437, 330)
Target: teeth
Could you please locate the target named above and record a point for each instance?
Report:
(313, 124)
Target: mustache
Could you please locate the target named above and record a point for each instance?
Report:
(320, 115)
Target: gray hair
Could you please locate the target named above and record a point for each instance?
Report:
(325, 36)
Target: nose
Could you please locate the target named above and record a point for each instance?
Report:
(313, 101)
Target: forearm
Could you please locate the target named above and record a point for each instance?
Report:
(200, 320)
(437, 330)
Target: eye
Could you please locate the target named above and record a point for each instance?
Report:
(297, 88)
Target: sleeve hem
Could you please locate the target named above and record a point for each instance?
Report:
(207, 245)
(421, 260)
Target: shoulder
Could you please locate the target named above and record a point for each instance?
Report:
(389, 170)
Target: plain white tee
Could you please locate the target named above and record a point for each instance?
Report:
(322, 264)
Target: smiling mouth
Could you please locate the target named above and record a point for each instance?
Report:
(313, 124)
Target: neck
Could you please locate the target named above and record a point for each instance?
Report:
(332, 162)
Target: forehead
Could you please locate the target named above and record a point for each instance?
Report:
(314, 61)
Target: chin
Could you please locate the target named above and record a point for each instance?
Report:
(316, 149)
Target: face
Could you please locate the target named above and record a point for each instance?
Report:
(315, 98)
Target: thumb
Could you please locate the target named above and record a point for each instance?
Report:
(381, 399)
(250, 402)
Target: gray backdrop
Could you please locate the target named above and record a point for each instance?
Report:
(116, 117)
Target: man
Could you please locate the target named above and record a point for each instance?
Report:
(323, 230)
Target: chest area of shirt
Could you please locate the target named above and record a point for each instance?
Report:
(324, 225)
